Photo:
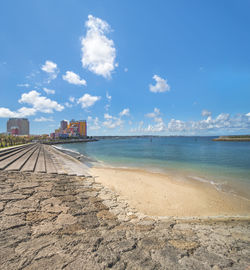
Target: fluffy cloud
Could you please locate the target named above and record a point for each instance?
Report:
(43, 119)
(206, 113)
(113, 123)
(108, 96)
(98, 52)
(248, 114)
(68, 105)
(22, 112)
(160, 86)
(49, 91)
(124, 112)
(40, 103)
(223, 121)
(93, 123)
(108, 116)
(154, 114)
(73, 78)
(87, 100)
(51, 69)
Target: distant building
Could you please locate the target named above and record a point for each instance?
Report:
(64, 124)
(75, 128)
(78, 127)
(18, 126)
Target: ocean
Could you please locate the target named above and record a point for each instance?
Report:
(226, 165)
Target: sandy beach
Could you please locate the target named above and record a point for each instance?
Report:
(157, 194)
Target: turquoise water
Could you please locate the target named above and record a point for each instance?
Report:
(226, 165)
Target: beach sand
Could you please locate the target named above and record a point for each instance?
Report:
(157, 194)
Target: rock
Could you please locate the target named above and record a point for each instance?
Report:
(62, 222)
(65, 219)
(184, 245)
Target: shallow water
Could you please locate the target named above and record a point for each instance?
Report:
(226, 165)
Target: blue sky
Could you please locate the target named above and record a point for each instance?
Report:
(127, 67)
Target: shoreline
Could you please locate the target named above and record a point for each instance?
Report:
(160, 195)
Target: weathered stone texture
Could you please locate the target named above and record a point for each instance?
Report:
(70, 222)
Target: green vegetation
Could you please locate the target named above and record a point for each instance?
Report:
(9, 140)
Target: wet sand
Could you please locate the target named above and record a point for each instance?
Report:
(157, 194)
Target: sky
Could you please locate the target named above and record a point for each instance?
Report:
(127, 67)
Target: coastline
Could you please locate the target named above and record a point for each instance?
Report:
(156, 194)
(67, 220)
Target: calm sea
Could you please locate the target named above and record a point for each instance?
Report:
(226, 165)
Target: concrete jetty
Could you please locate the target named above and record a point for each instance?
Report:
(39, 158)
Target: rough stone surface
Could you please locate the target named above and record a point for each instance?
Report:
(71, 222)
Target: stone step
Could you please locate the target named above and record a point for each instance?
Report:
(50, 167)
(67, 164)
(8, 161)
(40, 165)
(12, 149)
(19, 163)
(29, 166)
(12, 152)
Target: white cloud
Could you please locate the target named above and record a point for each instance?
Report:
(108, 116)
(40, 103)
(52, 70)
(73, 78)
(49, 67)
(67, 104)
(87, 100)
(72, 99)
(160, 86)
(206, 113)
(23, 85)
(113, 123)
(124, 112)
(223, 122)
(43, 119)
(22, 112)
(154, 114)
(176, 125)
(93, 123)
(108, 96)
(98, 52)
(248, 114)
(49, 91)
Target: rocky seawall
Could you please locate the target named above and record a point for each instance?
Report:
(243, 138)
(52, 221)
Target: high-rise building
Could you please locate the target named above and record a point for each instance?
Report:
(18, 126)
(78, 127)
(64, 124)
